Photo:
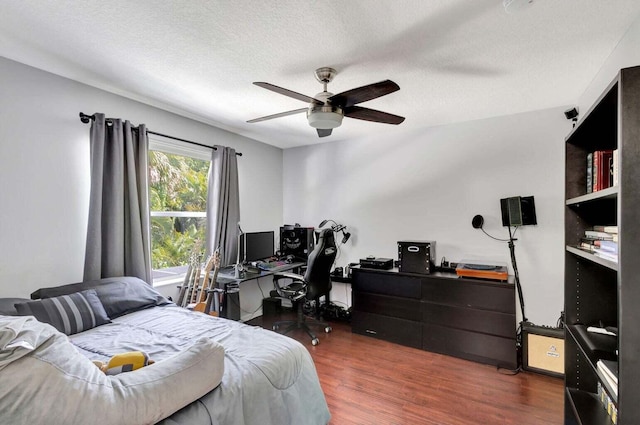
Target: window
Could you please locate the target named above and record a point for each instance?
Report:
(178, 178)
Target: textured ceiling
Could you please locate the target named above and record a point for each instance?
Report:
(455, 60)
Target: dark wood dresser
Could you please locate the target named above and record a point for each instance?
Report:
(472, 319)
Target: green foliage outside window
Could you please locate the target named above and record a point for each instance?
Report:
(176, 183)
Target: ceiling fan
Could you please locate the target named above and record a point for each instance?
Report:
(326, 110)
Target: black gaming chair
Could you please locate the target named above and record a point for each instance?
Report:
(315, 283)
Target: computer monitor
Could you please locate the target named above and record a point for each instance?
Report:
(256, 246)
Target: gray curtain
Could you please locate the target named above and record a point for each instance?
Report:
(118, 235)
(223, 204)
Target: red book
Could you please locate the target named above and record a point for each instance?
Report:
(596, 165)
(601, 169)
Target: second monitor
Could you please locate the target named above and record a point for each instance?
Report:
(256, 246)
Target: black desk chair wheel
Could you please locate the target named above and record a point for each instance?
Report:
(315, 283)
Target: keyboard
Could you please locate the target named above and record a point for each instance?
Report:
(270, 265)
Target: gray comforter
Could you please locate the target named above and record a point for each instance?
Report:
(269, 379)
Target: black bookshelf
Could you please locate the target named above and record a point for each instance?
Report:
(598, 290)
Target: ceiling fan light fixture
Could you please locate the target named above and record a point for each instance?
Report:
(325, 117)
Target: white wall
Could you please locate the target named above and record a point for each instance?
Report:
(626, 54)
(44, 172)
(428, 186)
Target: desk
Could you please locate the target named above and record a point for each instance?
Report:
(225, 277)
(341, 279)
(227, 281)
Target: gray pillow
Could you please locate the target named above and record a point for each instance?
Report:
(70, 288)
(70, 314)
(119, 295)
(7, 306)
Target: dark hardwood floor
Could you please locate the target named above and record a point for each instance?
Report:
(367, 381)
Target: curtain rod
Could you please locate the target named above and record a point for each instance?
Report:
(86, 118)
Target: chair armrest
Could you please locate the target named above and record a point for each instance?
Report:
(287, 275)
(294, 292)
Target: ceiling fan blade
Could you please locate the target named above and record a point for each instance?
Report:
(366, 114)
(362, 94)
(281, 114)
(323, 132)
(287, 92)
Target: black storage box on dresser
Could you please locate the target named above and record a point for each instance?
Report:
(416, 256)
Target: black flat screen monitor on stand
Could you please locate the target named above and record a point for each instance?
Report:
(256, 246)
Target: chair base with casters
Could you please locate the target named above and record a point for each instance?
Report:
(301, 322)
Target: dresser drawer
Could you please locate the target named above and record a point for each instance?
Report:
(469, 345)
(488, 322)
(387, 284)
(390, 329)
(467, 293)
(384, 305)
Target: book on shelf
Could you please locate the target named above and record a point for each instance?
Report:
(590, 172)
(587, 246)
(614, 167)
(608, 404)
(594, 172)
(599, 168)
(599, 244)
(607, 246)
(609, 370)
(602, 248)
(599, 252)
(606, 229)
(594, 234)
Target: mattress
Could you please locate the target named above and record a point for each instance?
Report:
(269, 379)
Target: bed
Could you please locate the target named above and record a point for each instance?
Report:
(207, 370)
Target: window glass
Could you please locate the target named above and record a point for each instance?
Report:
(178, 198)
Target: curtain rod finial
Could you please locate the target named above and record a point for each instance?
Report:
(85, 118)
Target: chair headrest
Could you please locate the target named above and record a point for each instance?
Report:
(325, 237)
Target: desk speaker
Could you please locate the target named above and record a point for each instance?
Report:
(543, 350)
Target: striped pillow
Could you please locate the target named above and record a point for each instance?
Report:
(70, 314)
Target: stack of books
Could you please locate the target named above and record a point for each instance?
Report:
(602, 170)
(601, 241)
(608, 394)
